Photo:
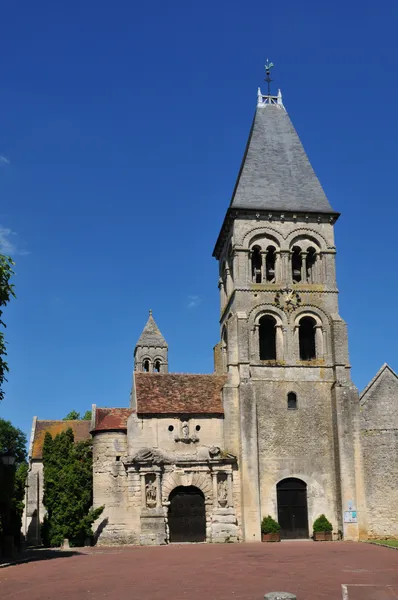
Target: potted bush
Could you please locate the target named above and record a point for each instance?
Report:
(322, 529)
(270, 530)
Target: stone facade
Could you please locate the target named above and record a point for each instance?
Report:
(279, 428)
(379, 440)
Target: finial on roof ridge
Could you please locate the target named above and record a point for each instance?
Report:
(150, 312)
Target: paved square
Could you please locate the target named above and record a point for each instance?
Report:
(202, 572)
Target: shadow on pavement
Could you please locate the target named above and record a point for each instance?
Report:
(37, 554)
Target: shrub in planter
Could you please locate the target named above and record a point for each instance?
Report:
(322, 529)
(270, 530)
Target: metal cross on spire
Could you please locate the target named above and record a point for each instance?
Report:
(268, 67)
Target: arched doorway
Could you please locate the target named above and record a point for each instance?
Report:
(292, 508)
(187, 515)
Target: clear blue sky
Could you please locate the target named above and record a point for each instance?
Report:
(122, 127)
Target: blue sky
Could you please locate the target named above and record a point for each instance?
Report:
(122, 127)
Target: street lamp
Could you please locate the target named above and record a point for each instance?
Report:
(8, 459)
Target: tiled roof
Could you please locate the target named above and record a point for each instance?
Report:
(178, 393)
(275, 173)
(108, 419)
(81, 430)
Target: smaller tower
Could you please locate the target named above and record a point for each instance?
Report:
(151, 351)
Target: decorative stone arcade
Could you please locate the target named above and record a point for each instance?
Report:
(208, 469)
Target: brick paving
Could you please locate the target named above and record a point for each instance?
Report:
(206, 572)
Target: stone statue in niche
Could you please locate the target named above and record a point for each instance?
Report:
(223, 492)
(150, 494)
(185, 430)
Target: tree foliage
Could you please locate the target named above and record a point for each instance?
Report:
(12, 480)
(12, 441)
(322, 524)
(73, 415)
(6, 292)
(68, 490)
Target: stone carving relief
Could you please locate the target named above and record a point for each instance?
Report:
(154, 456)
(184, 434)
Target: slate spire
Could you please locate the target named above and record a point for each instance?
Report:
(151, 335)
(275, 173)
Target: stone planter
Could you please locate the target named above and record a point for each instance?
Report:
(271, 537)
(322, 536)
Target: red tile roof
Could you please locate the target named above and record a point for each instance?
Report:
(178, 393)
(108, 419)
(81, 430)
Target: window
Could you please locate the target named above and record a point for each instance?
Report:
(307, 338)
(256, 264)
(291, 401)
(270, 264)
(310, 264)
(146, 366)
(296, 264)
(157, 366)
(267, 338)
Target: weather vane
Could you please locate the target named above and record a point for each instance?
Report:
(268, 67)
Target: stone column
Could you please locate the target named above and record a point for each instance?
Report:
(254, 350)
(279, 341)
(143, 494)
(264, 266)
(158, 494)
(215, 490)
(303, 266)
(278, 274)
(230, 497)
(319, 349)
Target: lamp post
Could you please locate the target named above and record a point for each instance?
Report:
(8, 459)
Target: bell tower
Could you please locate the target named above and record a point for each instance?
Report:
(290, 407)
(151, 351)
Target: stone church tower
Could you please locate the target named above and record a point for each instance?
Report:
(151, 351)
(291, 410)
(278, 429)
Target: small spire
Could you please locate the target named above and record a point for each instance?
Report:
(150, 312)
(268, 67)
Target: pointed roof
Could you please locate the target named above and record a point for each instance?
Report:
(384, 369)
(275, 173)
(151, 335)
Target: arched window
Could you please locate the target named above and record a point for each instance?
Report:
(256, 264)
(291, 400)
(296, 264)
(267, 338)
(310, 264)
(307, 338)
(146, 365)
(270, 264)
(156, 366)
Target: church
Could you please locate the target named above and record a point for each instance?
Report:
(279, 428)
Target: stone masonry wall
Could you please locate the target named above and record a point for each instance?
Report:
(114, 489)
(379, 440)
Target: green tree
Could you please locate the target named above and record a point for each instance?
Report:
(68, 490)
(73, 415)
(12, 441)
(6, 292)
(12, 480)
